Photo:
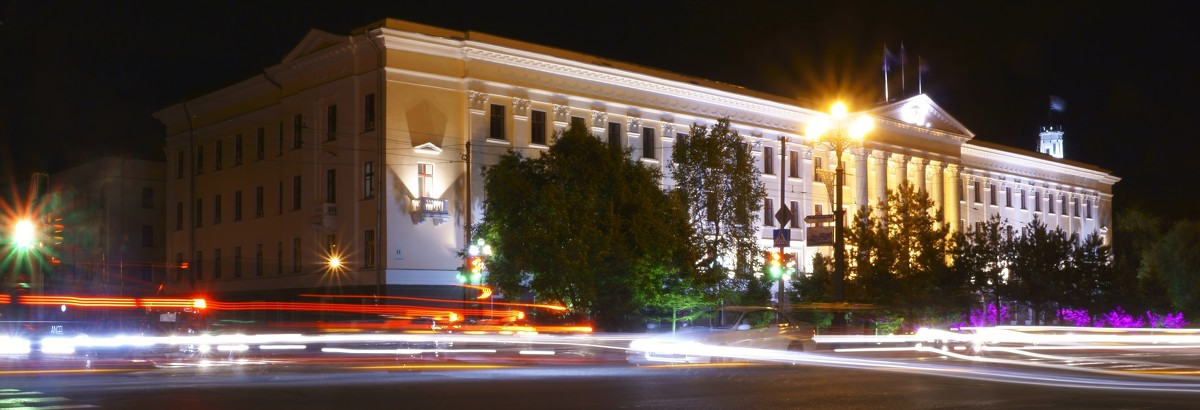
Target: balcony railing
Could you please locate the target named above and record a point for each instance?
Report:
(435, 208)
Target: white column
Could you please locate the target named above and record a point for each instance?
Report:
(860, 177)
(939, 169)
(919, 179)
(953, 177)
(881, 175)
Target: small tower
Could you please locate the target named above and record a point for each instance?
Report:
(1051, 142)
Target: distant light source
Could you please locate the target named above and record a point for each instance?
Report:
(335, 262)
(23, 234)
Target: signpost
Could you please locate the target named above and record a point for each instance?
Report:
(820, 233)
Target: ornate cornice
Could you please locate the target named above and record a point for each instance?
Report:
(639, 89)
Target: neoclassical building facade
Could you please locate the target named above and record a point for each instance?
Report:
(369, 148)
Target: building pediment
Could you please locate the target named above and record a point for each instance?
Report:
(921, 113)
(314, 41)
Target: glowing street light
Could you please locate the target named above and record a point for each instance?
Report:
(24, 234)
(846, 134)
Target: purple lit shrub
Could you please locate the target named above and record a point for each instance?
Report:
(1167, 321)
(1118, 318)
(989, 316)
(1076, 317)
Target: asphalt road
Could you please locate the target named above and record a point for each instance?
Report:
(911, 381)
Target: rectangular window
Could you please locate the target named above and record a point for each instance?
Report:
(1037, 201)
(237, 149)
(1008, 197)
(614, 136)
(331, 122)
(1062, 205)
(199, 159)
(296, 255)
(217, 263)
(369, 248)
(1075, 207)
(196, 265)
(331, 186)
(179, 166)
(496, 124)
(1023, 199)
(649, 143)
(424, 179)
(258, 201)
(279, 145)
(991, 194)
(258, 260)
(148, 236)
(178, 216)
(768, 212)
(369, 179)
(260, 145)
(219, 156)
(217, 209)
(578, 122)
(768, 161)
(960, 191)
(199, 212)
(1088, 205)
(297, 130)
(279, 258)
(237, 205)
(537, 127)
(795, 214)
(296, 192)
(331, 244)
(147, 198)
(369, 112)
(1050, 203)
(794, 164)
(818, 164)
(237, 261)
(818, 209)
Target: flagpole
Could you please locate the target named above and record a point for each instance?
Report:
(903, 65)
(920, 74)
(886, 99)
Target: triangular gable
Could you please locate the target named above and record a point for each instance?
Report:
(314, 41)
(921, 111)
(428, 148)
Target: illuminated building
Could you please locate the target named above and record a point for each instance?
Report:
(268, 177)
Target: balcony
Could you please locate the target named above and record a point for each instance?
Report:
(324, 217)
(434, 208)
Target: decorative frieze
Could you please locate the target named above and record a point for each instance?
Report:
(562, 114)
(520, 107)
(478, 101)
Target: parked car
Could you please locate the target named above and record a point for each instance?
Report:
(757, 327)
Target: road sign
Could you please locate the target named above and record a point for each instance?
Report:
(783, 238)
(812, 219)
(783, 216)
(820, 236)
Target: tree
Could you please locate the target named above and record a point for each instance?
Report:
(1039, 267)
(1175, 260)
(586, 226)
(981, 254)
(1136, 233)
(902, 256)
(719, 184)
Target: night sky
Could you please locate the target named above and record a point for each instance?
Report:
(80, 79)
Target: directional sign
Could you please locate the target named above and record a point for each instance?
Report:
(783, 238)
(783, 216)
(819, 218)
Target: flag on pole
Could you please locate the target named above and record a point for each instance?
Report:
(903, 66)
(888, 60)
(922, 70)
(1057, 104)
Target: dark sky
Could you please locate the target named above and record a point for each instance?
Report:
(80, 79)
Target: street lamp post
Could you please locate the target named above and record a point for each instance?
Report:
(855, 131)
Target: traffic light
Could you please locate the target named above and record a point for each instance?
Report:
(56, 228)
(789, 265)
(774, 263)
(475, 268)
